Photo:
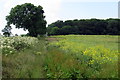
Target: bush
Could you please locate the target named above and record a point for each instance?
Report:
(13, 44)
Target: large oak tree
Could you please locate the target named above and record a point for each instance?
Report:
(28, 17)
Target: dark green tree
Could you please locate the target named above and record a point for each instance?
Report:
(66, 30)
(86, 27)
(28, 17)
(113, 27)
(7, 31)
(58, 23)
(55, 31)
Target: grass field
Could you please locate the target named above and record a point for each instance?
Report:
(107, 41)
(97, 54)
(69, 56)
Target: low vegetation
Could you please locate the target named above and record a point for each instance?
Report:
(94, 55)
(70, 56)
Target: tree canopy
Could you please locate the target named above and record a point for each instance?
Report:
(28, 17)
(85, 27)
(7, 31)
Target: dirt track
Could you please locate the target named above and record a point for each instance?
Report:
(53, 39)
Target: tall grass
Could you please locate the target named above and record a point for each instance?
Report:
(25, 64)
(68, 57)
(97, 56)
(61, 64)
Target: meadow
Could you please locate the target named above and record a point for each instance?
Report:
(63, 56)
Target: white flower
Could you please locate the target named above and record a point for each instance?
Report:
(6, 54)
(2, 46)
(8, 46)
(11, 51)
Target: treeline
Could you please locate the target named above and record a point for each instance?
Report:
(85, 27)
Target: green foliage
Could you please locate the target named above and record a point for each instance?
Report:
(55, 31)
(23, 35)
(60, 65)
(27, 63)
(7, 31)
(91, 55)
(72, 56)
(113, 27)
(28, 17)
(10, 45)
(66, 30)
(85, 27)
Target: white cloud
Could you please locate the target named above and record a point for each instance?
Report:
(51, 8)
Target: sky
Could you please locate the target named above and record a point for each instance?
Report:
(63, 10)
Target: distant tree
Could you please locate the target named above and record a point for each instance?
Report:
(113, 27)
(7, 31)
(55, 31)
(100, 27)
(66, 30)
(49, 30)
(28, 17)
(85, 27)
(58, 23)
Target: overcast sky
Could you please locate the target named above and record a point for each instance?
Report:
(64, 10)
